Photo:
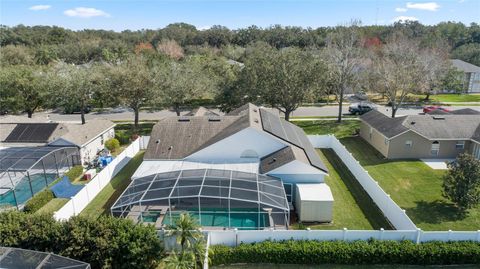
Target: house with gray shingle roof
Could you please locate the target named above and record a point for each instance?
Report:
(472, 75)
(422, 136)
(249, 139)
(89, 138)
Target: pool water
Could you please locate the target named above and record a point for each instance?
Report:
(218, 217)
(150, 216)
(22, 190)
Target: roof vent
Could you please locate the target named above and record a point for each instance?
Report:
(254, 110)
(183, 119)
(438, 118)
(213, 119)
(158, 141)
(412, 123)
(170, 148)
(255, 120)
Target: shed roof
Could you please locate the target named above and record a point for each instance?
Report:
(315, 192)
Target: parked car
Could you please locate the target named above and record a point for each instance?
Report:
(429, 109)
(361, 95)
(360, 108)
(76, 109)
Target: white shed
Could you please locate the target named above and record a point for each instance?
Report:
(314, 202)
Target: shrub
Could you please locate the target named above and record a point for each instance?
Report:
(339, 252)
(38, 201)
(123, 138)
(112, 144)
(74, 172)
(106, 242)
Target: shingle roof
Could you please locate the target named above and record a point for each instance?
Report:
(465, 111)
(464, 66)
(201, 111)
(179, 137)
(79, 134)
(282, 157)
(387, 126)
(450, 126)
(444, 126)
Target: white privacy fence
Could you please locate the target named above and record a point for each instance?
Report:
(234, 237)
(396, 215)
(78, 202)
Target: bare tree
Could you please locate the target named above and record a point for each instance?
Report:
(171, 49)
(343, 56)
(398, 70)
(436, 66)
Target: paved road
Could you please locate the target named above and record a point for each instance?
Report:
(156, 115)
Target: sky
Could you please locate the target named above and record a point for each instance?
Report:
(120, 15)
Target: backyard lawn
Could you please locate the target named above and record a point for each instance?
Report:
(105, 199)
(321, 127)
(415, 187)
(53, 205)
(353, 208)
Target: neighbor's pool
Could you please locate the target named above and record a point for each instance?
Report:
(218, 217)
(22, 190)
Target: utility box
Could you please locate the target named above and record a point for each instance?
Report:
(314, 202)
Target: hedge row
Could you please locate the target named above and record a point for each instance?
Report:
(106, 242)
(339, 252)
(38, 201)
(74, 172)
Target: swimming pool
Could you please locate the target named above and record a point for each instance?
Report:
(22, 189)
(243, 219)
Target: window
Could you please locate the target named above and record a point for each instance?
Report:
(435, 148)
(460, 145)
(408, 143)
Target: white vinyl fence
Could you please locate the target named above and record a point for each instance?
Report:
(396, 215)
(78, 202)
(234, 237)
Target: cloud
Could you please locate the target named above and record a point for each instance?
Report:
(401, 9)
(430, 6)
(405, 18)
(40, 7)
(201, 28)
(85, 12)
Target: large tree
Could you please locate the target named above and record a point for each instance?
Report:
(461, 184)
(24, 88)
(343, 55)
(283, 78)
(397, 70)
(133, 83)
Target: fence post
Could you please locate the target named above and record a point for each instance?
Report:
(344, 233)
(381, 234)
(236, 237)
(478, 235)
(449, 235)
(419, 232)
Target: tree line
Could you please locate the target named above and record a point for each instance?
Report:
(51, 67)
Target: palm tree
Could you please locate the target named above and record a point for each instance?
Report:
(186, 231)
(182, 260)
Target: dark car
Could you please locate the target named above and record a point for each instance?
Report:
(76, 109)
(360, 108)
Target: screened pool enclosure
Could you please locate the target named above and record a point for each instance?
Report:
(218, 199)
(16, 258)
(25, 171)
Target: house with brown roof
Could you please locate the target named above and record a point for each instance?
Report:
(429, 136)
(89, 138)
(249, 140)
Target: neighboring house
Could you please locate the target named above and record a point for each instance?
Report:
(89, 137)
(201, 111)
(249, 142)
(472, 75)
(422, 136)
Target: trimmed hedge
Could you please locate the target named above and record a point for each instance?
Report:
(106, 242)
(340, 252)
(38, 201)
(123, 138)
(74, 172)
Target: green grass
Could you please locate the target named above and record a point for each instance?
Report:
(415, 187)
(352, 208)
(456, 97)
(144, 128)
(105, 199)
(53, 205)
(344, 129)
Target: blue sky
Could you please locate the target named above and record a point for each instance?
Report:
(150, 14)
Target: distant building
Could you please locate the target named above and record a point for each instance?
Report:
(472, 75)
